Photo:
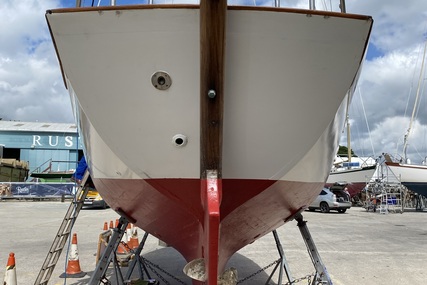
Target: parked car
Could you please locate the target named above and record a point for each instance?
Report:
(93, 199)
(331, 199)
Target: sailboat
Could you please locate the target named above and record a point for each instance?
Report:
(208, 126)
(414, 177)
(352, 175)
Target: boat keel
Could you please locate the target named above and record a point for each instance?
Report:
(205, 269)
(211, 193)
(196, 270)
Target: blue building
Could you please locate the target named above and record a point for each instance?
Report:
(42, 145)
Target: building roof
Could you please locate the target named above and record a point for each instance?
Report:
(37, 127)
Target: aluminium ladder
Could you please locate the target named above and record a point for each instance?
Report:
(63, 233)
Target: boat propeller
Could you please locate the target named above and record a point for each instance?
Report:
(196, 269)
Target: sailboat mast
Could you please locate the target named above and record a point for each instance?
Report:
(405, 143)
(348, 135)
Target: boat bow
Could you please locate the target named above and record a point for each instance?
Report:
(210, 165)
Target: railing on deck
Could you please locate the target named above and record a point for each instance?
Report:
(311, 4)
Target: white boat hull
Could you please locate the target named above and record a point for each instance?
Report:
(412, 176)
(356, 179)
(288, 75)
(283, 85)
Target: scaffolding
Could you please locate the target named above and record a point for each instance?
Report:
(385, 192)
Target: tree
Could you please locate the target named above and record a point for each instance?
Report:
(343, 150)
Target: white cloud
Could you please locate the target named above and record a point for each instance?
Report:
(388, 82)
(384, 102)
(29, 71)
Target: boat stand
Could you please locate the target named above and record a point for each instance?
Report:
(109, 256)
(137, 260)
(419, 203)
(320, 277)
(282, 263)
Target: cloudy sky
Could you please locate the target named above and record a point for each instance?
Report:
(31, 86)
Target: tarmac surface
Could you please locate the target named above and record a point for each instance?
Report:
(357, 247)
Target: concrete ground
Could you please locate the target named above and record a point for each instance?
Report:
(357, 247)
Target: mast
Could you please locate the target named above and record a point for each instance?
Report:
(405, 140)
(348, 135)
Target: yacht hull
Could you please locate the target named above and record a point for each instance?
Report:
(411, 176)
(288, 76)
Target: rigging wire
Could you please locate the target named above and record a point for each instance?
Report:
(409, 93)
(360, 109)
(421, 96)
(366, 121)
(415, 104)
(424, 129)
(424, 144)
(325, 5)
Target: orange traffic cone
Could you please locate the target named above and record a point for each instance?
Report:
(123, 253)
(103, 241)
(73, 266)
(133, 240)
(128, 232)
(123, 247)
(10, 275)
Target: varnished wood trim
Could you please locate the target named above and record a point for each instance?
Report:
(124, 7)
(212, 65)
(193, 6)
(301, 11)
